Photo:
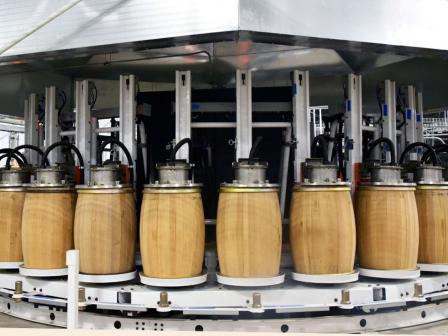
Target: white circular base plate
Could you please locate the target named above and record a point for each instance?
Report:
(179, 282)
(107, 278)
(250, 282)
(326, 278)
(10, 264)
(441, 268)
(390, 274)
(40, 272)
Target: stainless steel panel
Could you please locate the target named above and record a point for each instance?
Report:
(416, 23)
(103, 22)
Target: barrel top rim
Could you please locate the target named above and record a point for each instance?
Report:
(103, 187)
(387, 184)
(386, 187)
(172, 185)
(249, 185)
(173, 190)
(245, 189)
(323, 184)
(432, 186)
(105, 190)
(321, 188)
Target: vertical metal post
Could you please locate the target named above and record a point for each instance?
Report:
(243, 113)
(390, 114)
(127, 115)
(410, 118)
(183, 110)
(31, 127)
(419, 117)
(284, 165)
(51, 123)
(301, 120)
(72, 261)
(83, 131)
(353, 128)
(93, 139)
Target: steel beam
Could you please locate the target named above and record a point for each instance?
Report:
(419, 117)
(51, 124)
(390, 114)
(243, 113)
(410, 119)
(83, 126)
(301, 120)
(353, 128)
(183, 111)
(31, 128)
(127, 115)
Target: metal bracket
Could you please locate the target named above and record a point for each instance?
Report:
(243, 113)
(390, 114)
(83, 124)
(127, 115)
(31, 127)
(51, 123)
(353, 127)
(301, 120)
(183, 110)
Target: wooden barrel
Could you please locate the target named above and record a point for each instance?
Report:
(387, 227)
(105, 230)
(11, 206)
(172, 233)
(47, 227)
(432, 206)
(322, 230)
(249, 232)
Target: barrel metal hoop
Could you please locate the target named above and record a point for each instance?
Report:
(172, 190)
(12, 189)
(432, 187)
(105, 191)
(315, 188)
(50, 190)
(246, 190)
(385, 188)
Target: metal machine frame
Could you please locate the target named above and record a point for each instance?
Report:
(371, 304)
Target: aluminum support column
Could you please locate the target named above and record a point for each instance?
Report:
(127, 116)
(72, 261)
(410, 119)
(353, 129)
(31, 128)
(301, 120)
(390, 115)
(83, 126)
(183, 111)
(243, 113)
(51, 124)
(419, 117)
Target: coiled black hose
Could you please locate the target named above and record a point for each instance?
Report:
(16, 150)
(432, 153)
(438, 149)
(386, 141)
(66, 144)
(20, 158)
(322, 140)
(178, 146)
(99, 159)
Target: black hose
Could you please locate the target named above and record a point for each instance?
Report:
(20, 158)
(322, 140)
(16, 150)
(45, 161)
(432, 153)
(99, 159)
(254, 148)
(391, 148)
(178, 146)
(442, 148)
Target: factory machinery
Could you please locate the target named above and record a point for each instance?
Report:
(74, 254)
